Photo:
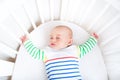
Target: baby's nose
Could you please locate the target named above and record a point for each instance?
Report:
(53, 40)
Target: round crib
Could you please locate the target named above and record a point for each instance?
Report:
(36, 17)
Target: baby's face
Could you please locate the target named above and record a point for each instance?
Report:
(60, 38)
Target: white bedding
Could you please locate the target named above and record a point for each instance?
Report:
(92, 65)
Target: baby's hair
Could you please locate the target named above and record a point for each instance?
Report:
(67, 28)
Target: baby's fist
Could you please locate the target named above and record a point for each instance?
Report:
(95, 35)
(23, 38)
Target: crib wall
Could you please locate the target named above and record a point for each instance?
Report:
(19, 17)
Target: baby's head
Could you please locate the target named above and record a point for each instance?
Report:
(60, 37)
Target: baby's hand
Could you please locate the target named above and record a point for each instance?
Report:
(95, 35)
(24, 38)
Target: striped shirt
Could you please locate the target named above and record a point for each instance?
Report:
(62, 64)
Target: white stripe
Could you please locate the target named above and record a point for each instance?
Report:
(65, 59)
(63, 71)
(67, 65)
(64, 75)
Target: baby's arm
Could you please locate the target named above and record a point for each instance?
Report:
(88, 45)
(32, 50)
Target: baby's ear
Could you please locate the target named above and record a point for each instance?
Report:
(71, 42)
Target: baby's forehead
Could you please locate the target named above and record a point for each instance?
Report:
(62, 29)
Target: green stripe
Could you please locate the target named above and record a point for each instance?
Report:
(93, 41)
(33, 48)
(34, 51)
(90, 46)
(87, 46)
(27, 43)
(42, 55)
(39, 54)
(29, 48)
(82, 52)
(35, 55)
(86, 49)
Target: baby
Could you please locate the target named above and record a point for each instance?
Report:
(61, 57)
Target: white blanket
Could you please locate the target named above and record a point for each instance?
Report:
(26, 68)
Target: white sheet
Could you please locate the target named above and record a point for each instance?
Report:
(92, 65)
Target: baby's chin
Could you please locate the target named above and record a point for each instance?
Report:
(55, 48)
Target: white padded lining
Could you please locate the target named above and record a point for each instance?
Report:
(92, 65)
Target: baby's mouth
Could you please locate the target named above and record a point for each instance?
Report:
(52, 44)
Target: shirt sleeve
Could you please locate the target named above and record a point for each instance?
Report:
(87, 46)
(34, 51)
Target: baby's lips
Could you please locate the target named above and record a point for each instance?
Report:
(52, 44)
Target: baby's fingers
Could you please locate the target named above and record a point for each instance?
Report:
(23, 38)
(95, 35)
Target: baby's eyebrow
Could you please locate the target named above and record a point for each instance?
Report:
(56, 35)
